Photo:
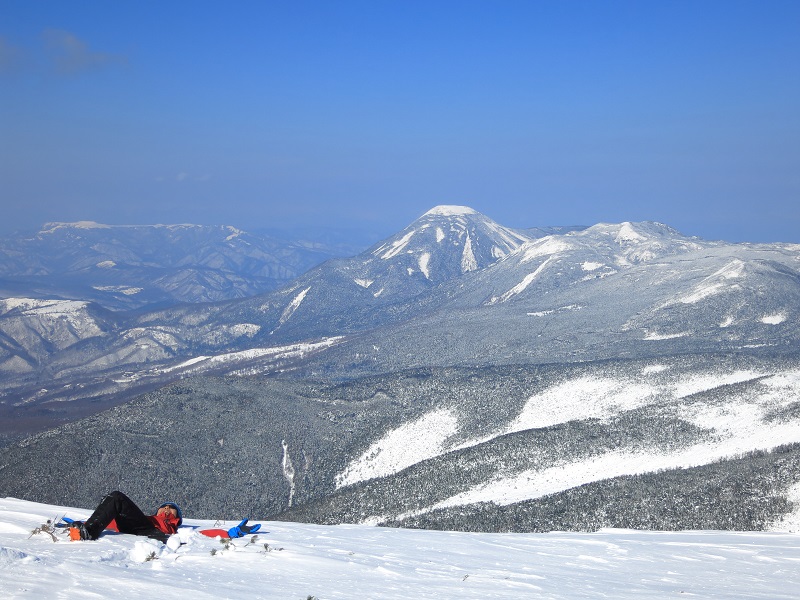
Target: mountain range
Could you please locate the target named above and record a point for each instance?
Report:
(459, 374)
(130, 267)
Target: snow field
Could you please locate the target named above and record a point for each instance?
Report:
(68, 315)
(408, 444)
(468, 260)
(292, 306)
(582, 398)
(353, 561)
(738, 426)
(591, 265)
(522, 285)
(714, 284)
(56, 308)
(628, 235)
(773, 319)
(546, 246)
(202, 363)
(424, 260)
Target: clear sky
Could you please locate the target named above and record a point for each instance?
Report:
(366, 114)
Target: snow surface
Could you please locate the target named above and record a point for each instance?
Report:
(424, 261)
(522, 285)
(54, 226)
(582, 398)
(544, 313)
(468, 261)
(738, 426)
(365, 283)
(54, 308)
(716, 283)
(293, 306)
(655, 337)
(628, 235)
(512, 239)
(546, 246)
(402, 447)
(396, 247)
(447, 210)
(356, 561)
(590, 266)
(122, 289)
(773, 319)
(202, 363)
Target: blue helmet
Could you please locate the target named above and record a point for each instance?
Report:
(177, 509)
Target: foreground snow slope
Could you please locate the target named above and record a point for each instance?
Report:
(354, 561)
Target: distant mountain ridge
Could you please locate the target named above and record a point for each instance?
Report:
(125, 267)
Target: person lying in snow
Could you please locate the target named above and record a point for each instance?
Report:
(119, 513)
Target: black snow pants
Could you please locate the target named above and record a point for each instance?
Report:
(116, 506)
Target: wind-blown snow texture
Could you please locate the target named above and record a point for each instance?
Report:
(351, 561)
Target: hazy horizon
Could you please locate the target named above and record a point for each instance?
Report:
(363, 115)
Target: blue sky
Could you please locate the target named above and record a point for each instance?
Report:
(367, 114)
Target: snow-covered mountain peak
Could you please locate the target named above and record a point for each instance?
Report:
(629, 232)
(554, 262)
(449, 210)
(447, 240)
(620, 243)
(637, 242)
